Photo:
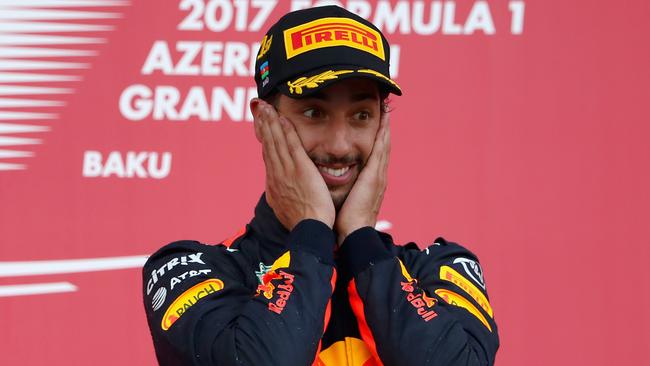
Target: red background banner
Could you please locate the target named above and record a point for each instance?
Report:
(522, 133)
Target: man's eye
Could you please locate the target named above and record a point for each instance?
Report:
(313, 113)
(363, 115)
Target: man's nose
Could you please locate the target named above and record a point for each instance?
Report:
(338, 141)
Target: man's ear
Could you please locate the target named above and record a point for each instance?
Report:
(255, 105)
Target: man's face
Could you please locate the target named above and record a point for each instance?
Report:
(337, 127)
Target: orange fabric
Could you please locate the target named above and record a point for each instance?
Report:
(328, 313)
(358, 310)
(228, 242)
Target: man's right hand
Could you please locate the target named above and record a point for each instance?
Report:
(295, 190)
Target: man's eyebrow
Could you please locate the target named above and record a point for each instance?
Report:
(318, 95)
(363, 96)
(353, 98)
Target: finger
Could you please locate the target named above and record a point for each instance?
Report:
(257, 126)
(255, 106)
(294, 144)
(379, 147)
(279, 138)
(382, 169)
(387, 140)
(385, 158)
(304, 164)
(385, 136)
(385, 125)
(270, 154)
(377, 165)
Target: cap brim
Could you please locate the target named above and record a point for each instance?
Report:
(315, 80)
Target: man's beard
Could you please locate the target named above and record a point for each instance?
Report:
(338, 198)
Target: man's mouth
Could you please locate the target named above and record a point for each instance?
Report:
(336, 176)
(335, 172)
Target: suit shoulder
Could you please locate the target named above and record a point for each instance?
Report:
(191, 253)
(446, 260)
(179, 265)
(438, 250)
(177, 248)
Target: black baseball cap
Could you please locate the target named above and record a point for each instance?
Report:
(307, 50)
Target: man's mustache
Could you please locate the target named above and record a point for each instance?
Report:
(333, 160)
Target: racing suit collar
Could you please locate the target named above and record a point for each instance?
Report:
(267, 224)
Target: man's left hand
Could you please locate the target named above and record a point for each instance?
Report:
(362, 205)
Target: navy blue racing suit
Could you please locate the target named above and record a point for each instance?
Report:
(273, 297)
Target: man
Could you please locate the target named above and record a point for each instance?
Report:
(309, 280)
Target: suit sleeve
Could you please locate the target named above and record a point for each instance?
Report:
(205, 306)
(422, 308)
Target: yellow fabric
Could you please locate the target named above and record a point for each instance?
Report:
(348, 352)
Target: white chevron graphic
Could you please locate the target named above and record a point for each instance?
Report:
(15, 154)
(16, 77)
(12, 141)
(13, 90)
(26, 39)
(7, 52)
(31, 27)
(50, 14)
(40, 65)
(37, 289)
(31, 31)
(25, 115)
(61, 3)
(21, 128)
(10, 166)
(20, 103)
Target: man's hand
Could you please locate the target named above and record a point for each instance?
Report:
(295, 190)
(362, 205)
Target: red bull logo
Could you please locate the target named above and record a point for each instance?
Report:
(266, 274)
(284, 293)
(266, 287)
(417, 297)
(430, 301)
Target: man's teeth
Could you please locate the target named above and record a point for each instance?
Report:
(335, 172)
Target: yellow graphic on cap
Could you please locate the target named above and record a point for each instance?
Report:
(265, 46)
(455, 299)
(330, 32)
(449, 274)
(378, 74)
(188, 299)
(295, 87)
